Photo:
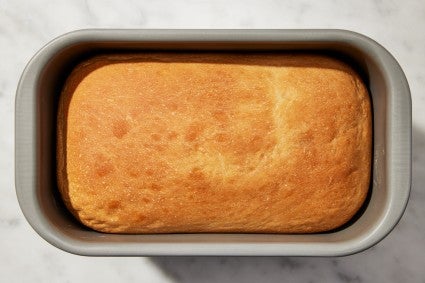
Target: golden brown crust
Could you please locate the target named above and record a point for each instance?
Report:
(158, 143)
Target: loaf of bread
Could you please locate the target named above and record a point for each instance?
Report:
(223, 142)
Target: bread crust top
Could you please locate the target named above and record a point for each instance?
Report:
(179, 142)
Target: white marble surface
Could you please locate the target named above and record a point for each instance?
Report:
(25, 26)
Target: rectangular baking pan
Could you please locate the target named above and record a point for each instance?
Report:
(36, 103)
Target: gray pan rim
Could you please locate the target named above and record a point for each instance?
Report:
(399, 141)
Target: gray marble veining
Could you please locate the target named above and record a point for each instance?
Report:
(25, 26)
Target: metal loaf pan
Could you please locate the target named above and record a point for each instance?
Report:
(36, 103)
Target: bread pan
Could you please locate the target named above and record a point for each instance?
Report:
(36, 103)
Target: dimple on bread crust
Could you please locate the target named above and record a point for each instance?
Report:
(202, 142)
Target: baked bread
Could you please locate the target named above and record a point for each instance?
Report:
(200, 142)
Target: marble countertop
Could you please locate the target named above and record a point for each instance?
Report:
(25, 26)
